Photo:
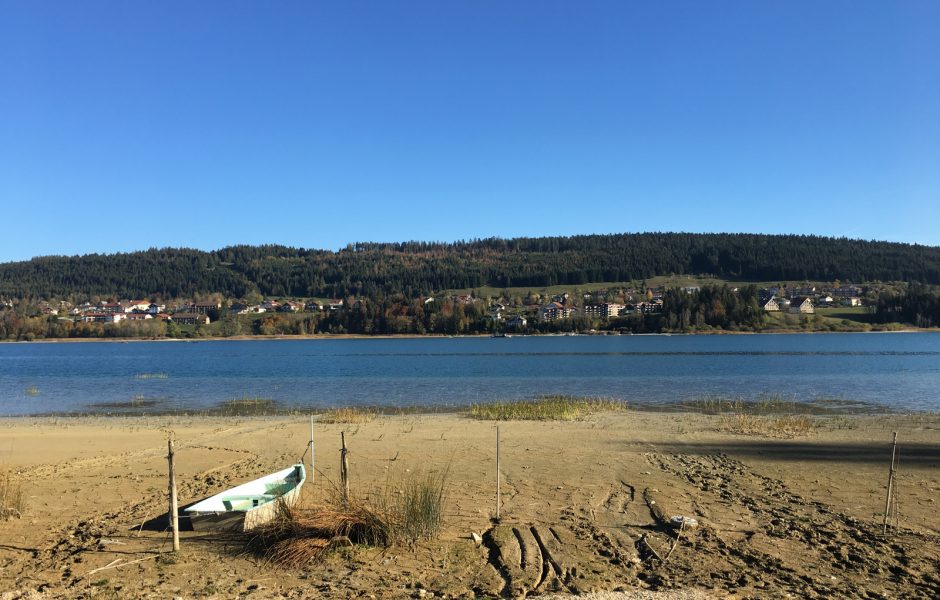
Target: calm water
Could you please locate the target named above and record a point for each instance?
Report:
(901, 371)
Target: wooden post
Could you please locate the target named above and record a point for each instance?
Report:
(174, 507)
(498, 496)
(894, 448)
(313, 470)
(344, 468)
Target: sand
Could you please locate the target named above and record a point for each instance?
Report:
(798, 517)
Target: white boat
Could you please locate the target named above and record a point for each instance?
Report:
(250, 504)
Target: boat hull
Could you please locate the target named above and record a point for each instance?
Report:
(249, 505)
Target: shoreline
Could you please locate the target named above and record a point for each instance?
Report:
(845, 409)
(413, 336)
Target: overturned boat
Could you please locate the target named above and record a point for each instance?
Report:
(249, 505)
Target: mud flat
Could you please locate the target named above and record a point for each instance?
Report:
(585, 507)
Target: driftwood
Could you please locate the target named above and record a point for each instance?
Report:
(649, 547)
(675, 543)
(114, 564)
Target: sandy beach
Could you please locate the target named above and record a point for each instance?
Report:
(777, 516)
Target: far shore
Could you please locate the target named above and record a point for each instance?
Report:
(408, 336)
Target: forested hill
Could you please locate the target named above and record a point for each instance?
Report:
(415, 268)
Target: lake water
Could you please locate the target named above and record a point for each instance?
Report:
(897, 370)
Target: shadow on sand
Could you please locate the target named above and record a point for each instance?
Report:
(923, 455)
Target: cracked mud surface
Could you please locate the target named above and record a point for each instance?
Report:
(799, 518)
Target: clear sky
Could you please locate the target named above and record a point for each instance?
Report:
(128, 125)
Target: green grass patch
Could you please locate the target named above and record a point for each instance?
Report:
(151, 376)
(856, 314)
(775, 404)
(544, 408)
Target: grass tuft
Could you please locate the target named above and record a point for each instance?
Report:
(347, 415)
(544, 408)
(417, 506)
(12, 498)
(784, 426)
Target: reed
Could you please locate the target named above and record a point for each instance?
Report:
(417, 506)
(544, 408)
(136, 401)
(775, 404)
(347, 415)
(783, 426)
(32, 391)
(713, 405)
(12, 498)
(246, 406)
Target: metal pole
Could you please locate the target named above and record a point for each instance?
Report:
(313, 470)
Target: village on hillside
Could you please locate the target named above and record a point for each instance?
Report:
(514, 313)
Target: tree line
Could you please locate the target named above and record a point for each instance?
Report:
(918, 305)
(414, 269)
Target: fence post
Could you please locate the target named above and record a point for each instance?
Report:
(891, 484)
(498, 496)
(344, 468)
(313, 470)
(174, 507)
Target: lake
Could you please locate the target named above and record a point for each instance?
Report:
(900, 371)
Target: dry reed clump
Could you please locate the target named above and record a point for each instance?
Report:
(785, 426)
(544, 408)
(347, 415)
(407, 512)
(12, 498)
(298, 536)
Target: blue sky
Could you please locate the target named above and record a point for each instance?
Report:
(130, 125)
